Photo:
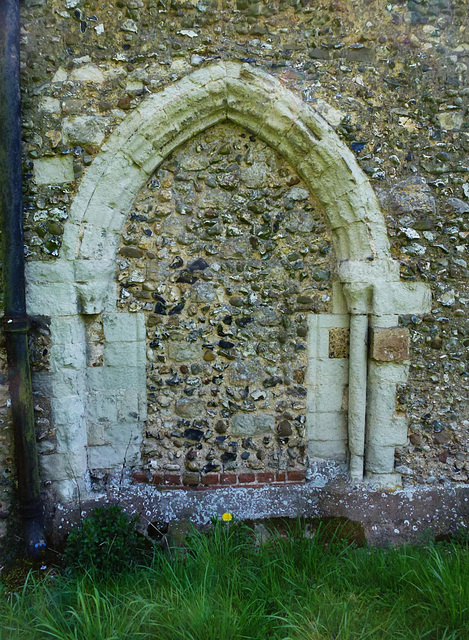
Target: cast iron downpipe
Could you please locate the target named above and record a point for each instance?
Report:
(15, 318)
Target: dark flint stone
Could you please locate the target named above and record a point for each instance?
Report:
(186, 277)
(160, 308)
(245, 455)
(242, 322)
(358, 146)
(228, 457)
(210, 467)
(193, 434)
(220, 439)
(224, 344)
(197, 265)
(131, 252)
(176, 263)
(284, 428)
(438, 426)
(272, 382)
(177, 309)
(173, 382)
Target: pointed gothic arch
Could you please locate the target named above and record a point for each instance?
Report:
(81, 281)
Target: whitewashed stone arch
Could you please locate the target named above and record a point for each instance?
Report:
(81, 281)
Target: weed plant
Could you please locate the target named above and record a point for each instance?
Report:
(225, 585)
(105, 542)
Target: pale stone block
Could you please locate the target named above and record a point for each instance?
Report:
(88, 73)
(189, 408)
(91, 179)
(389, 433)
(70, 466)
(107, 378)
(67, 382)
(311, 168)
(94, 279)
(84, 130)
(339, 303)
(54, 170)
(451, 120)
(190, 130)
(381, 405)
(101, 407)
(116, 190)
(127, 406)
(124, 327)
(124, 354)
(401, 298)
(159, 130)
(311, 374)
(247, 119)
(110, 457)
(122, 448)
(312, 336)
(283, 110)
(387, 373)
(332, 372)
(295, 143)
(67, 329)
(330, 398)
(49, 272)
(372, 272)
(92, 297)
(255, 78)
(358, 296)
(199, 103)
(352, 241)
(326, 426)
(143, 153)
(315, 122)
(323, 342)
(142, 404)
(328, 450)
(49, 105)
(98, 242)
(110, 298)
(182, 351)
(49, 299)
(333, 320)
(70, 241)
(67, 356)
(379, 459)
(388, 481)
(250, 424)
(68, 411)
(209, 74)
(96, 434)
(385, 321)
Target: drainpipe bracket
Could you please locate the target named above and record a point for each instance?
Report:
(16, 325)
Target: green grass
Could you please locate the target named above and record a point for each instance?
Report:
(226, 586)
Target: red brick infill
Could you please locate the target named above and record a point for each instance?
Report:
(216, 480)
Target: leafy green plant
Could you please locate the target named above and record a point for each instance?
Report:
(106, 541)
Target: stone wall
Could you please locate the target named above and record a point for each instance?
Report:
(226, 253)
(390, 78)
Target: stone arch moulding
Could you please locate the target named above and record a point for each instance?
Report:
(81, 282)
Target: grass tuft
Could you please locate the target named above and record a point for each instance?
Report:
(226, 585)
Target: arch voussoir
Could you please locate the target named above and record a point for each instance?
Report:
(256, 101)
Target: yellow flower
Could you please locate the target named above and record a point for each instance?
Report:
(227, 517)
